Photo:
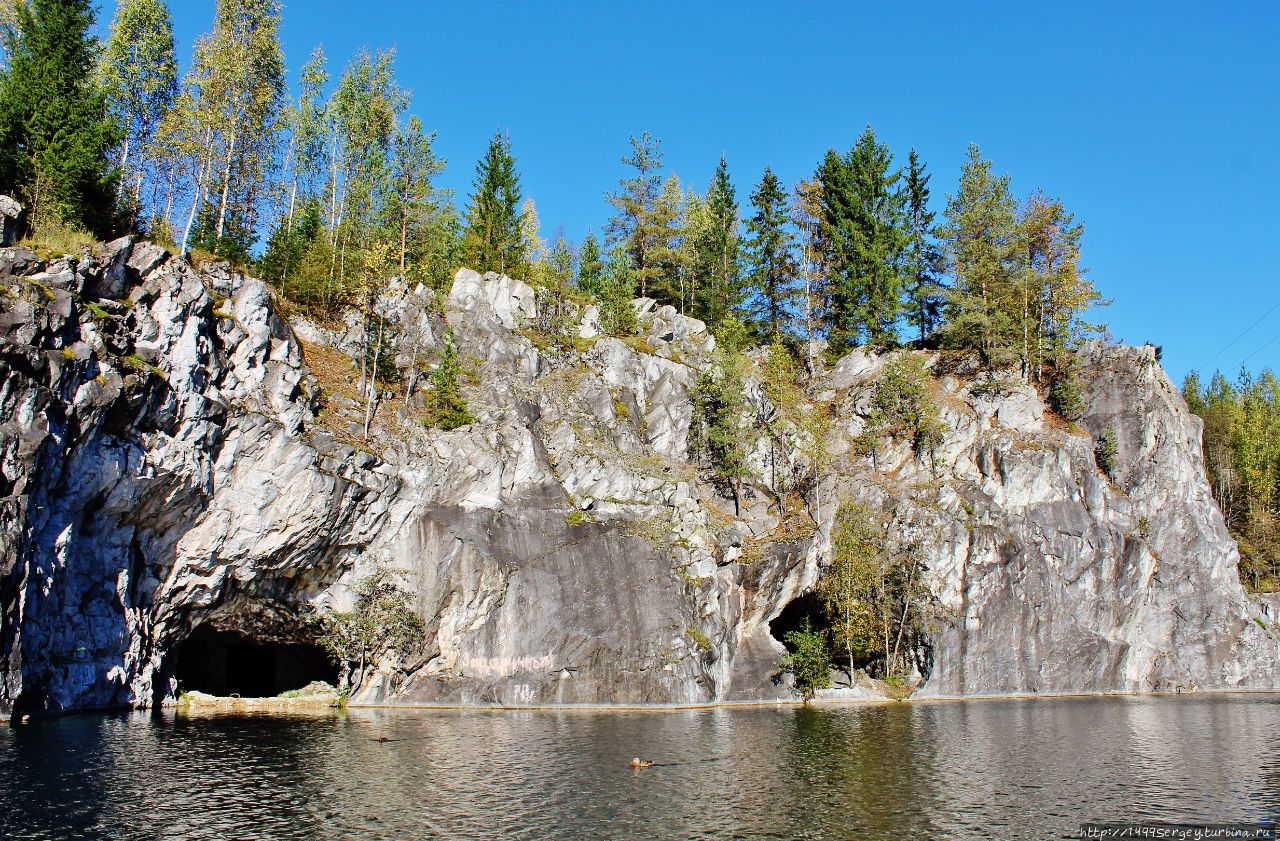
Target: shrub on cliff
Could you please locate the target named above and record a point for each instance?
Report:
(904, 406)
(382, 622)
(1106, 451)
(1064, 395)
(810, 663)
(447, 406)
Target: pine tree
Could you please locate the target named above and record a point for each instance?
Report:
(923, 257)
(982, 241)
(492, 240)
(139, 72)
(773, 266)
(719, 260)
(55, 130)
(590, 266)
(637, 225)
(1055, 290)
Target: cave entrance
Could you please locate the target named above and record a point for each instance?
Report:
(230, 663)
(793, 617)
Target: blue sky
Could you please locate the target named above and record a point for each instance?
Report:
(1157, 123)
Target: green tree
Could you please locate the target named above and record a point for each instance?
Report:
(287, 247)
(864, 239)
(718, 249)
(447, 406)
(807, 212)
(923, 259)
(493, 238)
(773, 269)
(414, 165)
(238, 71)
(307, 121)
(668, 256)
(55, 131)
(1055, 289)
(363, 115)
(875, 595)
(903, 406)
(617, 315)
(556, 316)
(139, 73)
(640, 224)
(590, 266)
(848, 588)
(983, 246)
(719, 430)
(536, 254)
(382, 621)
(809, 661)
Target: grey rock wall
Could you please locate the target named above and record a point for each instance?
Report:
(168, 461)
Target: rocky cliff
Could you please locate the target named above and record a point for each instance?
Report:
(169, 462)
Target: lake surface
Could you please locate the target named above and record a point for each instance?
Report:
(980, 769)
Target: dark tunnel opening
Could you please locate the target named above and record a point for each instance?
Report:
(230, 663)
(793, 617)
(916, 651)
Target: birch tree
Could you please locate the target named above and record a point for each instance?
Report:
(139, 71)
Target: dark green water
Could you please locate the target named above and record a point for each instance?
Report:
(979, 769)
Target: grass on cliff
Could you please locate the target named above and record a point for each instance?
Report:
(53, 241)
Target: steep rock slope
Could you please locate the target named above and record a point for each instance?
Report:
(168, 463)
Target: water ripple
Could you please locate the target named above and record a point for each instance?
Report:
(982, 769)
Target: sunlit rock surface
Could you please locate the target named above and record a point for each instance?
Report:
(169, 461)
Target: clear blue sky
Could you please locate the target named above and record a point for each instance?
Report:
(1157, 123)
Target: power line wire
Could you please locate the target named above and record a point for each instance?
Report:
(1273, 340)
(1229, 344)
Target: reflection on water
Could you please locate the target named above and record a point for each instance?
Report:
(991, 769)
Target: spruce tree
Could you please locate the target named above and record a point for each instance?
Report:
(773, 266)
(445, 403)
(718, 253)
(923, 256)
(493, 239)
(864, 237)
(590, 266)
(56, 134)
(617, 315)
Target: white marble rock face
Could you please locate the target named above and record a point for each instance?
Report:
(163, 467)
